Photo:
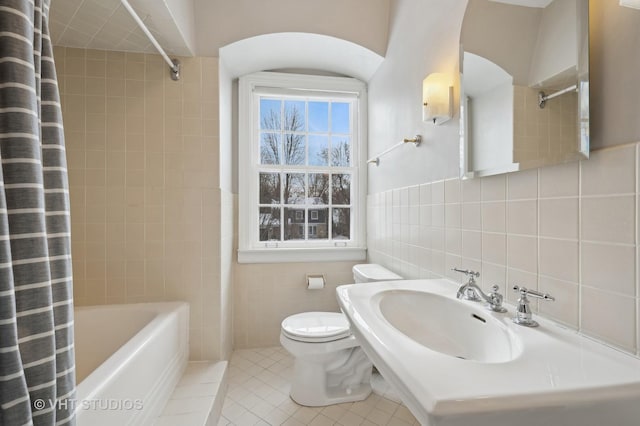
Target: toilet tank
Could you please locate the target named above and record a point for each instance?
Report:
(371, 272)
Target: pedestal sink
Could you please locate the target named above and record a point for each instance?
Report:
(457, 364)
(448, 326)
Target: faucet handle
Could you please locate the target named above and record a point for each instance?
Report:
(467, 272)
(533, 293)
(524, 316)
(495, 303)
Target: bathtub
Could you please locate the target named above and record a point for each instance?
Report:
(128, 360)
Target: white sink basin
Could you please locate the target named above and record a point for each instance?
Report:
(454, 369)
(448, 326)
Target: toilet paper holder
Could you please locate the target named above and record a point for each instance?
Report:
(315, 281)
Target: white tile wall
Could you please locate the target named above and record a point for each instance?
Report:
(559, 181)
(523, 252)
(559, 258)
(559, 218)
(522, 217)
(494, 216)
(523, 186)
(570, 230)
(609, 219)
(610, 172)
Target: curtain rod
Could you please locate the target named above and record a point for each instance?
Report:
(543, 98)
(174, 64)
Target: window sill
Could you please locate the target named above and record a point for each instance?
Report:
(286, 255)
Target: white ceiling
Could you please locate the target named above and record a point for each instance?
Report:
(202, 27)
(106, 24)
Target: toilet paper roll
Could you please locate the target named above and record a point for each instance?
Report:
(315, 282)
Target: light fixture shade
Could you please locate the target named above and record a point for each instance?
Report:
(437, 96)
(630, 3)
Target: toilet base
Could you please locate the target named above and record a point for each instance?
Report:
(360, 393)
(331, 376)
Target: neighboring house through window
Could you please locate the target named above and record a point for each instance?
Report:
(302, 173)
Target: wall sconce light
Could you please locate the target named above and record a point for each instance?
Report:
(437, 98)
(630, 3)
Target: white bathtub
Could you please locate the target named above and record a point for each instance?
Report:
(128, 360)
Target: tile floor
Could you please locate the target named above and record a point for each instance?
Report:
(258, 394)
(197, 398)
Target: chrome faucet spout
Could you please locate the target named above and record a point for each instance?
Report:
(468, 290)
(471, 291)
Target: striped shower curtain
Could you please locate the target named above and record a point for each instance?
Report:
(37, 374)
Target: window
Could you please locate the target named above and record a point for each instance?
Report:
(302, 174)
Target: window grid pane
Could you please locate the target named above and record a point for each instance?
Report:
(269, 223)
(341, 223)
(305, 156)
(318, 228)
(311, 217)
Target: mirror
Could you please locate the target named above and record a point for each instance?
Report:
(524, 73)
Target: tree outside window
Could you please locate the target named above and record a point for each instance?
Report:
(303, 148)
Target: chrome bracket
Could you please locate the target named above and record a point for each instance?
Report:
(175, 70)
(417, 139)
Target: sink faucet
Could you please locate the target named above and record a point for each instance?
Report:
(523, 311)
(471, 291)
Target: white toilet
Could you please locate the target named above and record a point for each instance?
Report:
(330, 367)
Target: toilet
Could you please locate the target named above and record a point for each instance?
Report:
(330, 367)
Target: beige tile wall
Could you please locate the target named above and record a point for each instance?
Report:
(265, 294)
(570, 230)
(143, 168)
(544, 135)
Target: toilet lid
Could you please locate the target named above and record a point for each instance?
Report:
(316, 326)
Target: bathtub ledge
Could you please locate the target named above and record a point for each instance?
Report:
(197, 398)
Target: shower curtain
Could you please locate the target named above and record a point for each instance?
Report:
(37, 373)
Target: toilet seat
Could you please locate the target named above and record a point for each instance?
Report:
(316, 327)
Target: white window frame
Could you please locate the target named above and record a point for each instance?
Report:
(250, 249)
